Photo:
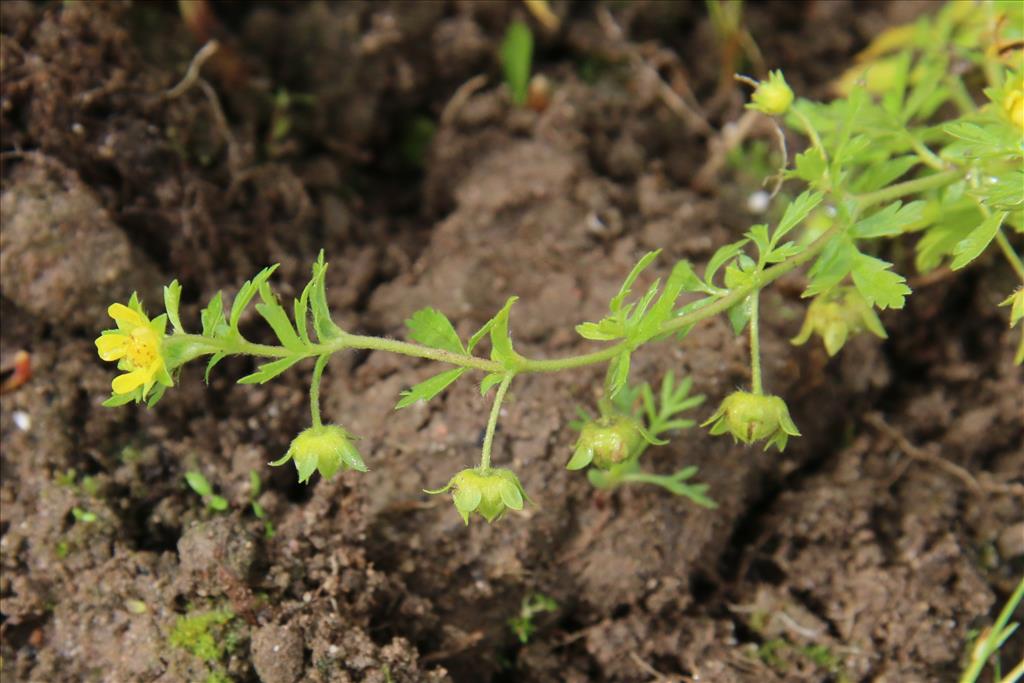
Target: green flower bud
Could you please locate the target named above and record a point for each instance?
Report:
(773, 96)
(753, 417)
(837, 314)
(326, 448)
(488, 492)
(607, 441)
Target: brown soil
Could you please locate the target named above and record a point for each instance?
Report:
(852, 556)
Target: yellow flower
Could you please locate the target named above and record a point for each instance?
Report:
(1013, 102)
(137, 346)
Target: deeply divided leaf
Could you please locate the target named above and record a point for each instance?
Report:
(877, 283)
(212, 316)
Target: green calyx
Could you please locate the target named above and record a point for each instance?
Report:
(754, 417)
(324, 448)
(836, 315)
(772, 97)
(488, 492)
(608, 441)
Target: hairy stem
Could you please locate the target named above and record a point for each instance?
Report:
(898, 190)
(755, 346)
(314, 388)
(1010, 254)
(207, 346)
(492, 422)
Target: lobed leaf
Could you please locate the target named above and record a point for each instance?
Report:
(615, 305)
(876, 283)
(795, 213)
(972, 246)
(246, 293)
(430, 327)
(719, 258)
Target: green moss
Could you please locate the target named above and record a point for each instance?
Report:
(204, 634)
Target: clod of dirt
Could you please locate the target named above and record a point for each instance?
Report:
(210, 549)
(62, 258)
(277, 653)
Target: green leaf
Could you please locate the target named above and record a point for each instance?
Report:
(489, 381)
(876, 283)
(833, 264)
(214, 359)
(606, 330)
(198, 483)
(254, 485)
(428, 389)
(809, 166)
(972, 246)
(739, 315)
(246, 293)
(798, 210)
(516, 55)
(501, 339)
(116, 400)
(719, 258)
(758, 234)
(618, 370)
(301, 315)
(269, 371)
(172, 299)
(681, 278)
(322, 324)
(217, 503)
(430, 327)
(615, 305)
(278, 320)
(878, 175)
(889, 221)
(212, 316)
(479, 334)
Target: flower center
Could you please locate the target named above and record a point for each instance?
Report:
(143, 347)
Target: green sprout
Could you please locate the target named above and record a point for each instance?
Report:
(516, 56)
(535, 603)
(930, 159)
(198, 483)
(255, 486)
(987, 645)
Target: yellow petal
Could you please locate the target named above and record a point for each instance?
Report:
(125, 315)
(125, 384)
(112, 346)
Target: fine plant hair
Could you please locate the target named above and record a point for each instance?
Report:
(924, 145)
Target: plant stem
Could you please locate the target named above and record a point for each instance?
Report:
(314, 388)
(207, 346)
(898, 190)
(755, 346)
(492, 422)
(1010, 254)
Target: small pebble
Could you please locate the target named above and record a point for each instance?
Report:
(22, 420)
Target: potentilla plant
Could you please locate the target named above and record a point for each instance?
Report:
(907, 151)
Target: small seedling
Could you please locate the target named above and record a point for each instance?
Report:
(533, 604)
(261, 514)
(198, 483)
(516, 57)
(83, 516)
(987, 644)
